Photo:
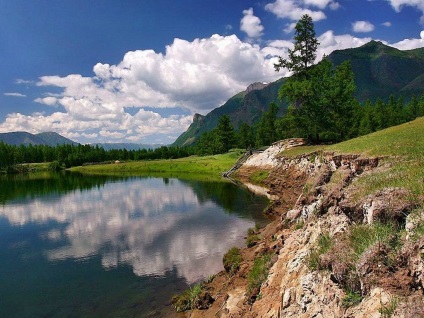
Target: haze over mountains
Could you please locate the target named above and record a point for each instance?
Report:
(380, 71)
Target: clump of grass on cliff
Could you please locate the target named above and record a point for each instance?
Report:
(259, 177)
(258, 274)
(323, 245)
(232, 260)
(187, 299)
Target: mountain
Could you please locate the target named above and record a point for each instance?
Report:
(127, 146)
(380, 71)
(25, 138)
(53, 139)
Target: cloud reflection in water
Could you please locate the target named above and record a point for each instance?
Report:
(148, 224)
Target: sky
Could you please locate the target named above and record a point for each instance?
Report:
(137, 71)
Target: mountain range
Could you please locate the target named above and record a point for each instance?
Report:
(53, 139)
(379, 70)
(24, 138)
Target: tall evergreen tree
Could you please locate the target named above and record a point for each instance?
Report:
(305, 47)
(225, 133)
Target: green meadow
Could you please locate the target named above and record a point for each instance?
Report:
(194, 167)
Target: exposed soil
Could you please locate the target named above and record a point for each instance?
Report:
(311, 197)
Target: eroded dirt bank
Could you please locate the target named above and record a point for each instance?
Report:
(314, 268)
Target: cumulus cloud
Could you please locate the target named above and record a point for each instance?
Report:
(295, 9)
(387, 24)
(251, 24)
(196, 76)
(362, 27)
(409, 44)
(330, 42)
(14, 94)
(398, 4)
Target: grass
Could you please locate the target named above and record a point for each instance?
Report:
(351, 298)
(187, 299)
(323, 246)
(363, 236)
(232, 260)
(259, 177)
(404, 147)
(388, 310)
(193, 167)
(402, 150)
(259, 272)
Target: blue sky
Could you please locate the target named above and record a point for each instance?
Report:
(137, 71)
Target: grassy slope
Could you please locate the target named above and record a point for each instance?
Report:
(403, 150)
(209, 167)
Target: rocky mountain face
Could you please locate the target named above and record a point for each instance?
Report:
(379, 71)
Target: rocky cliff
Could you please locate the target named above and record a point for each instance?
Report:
(329, 252)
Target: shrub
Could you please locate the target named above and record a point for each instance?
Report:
(232, 260)
(352, 298)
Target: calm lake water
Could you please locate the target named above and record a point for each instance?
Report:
(78, 246)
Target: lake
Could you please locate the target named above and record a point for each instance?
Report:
(82, 246)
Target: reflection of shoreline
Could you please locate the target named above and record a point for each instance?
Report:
(149, 224)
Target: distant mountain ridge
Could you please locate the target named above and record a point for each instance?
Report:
(53, 139)
(127, 146)
(24, 138)
(380, 71)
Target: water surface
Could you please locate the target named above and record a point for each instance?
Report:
(78, 246)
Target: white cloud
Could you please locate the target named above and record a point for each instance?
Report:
(398, 4)
(50, 101)
(292, 10)
(409, 44)
(14, 94)
(330, 42)
(387, 24)
(251, 24)
(295, 9)
(289, 27)
(362, 27)
(196, 76)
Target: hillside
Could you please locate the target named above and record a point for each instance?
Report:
(347, 237)
(379, 71)
(25, 138)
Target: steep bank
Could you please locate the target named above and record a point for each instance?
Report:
(335, 249)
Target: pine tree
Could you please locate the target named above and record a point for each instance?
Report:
(305, 47)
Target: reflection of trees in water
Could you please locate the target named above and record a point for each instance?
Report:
(233, 198)
(23, 186)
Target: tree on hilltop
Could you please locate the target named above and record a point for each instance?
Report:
(305, 47)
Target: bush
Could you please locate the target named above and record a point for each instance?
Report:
(232, 260)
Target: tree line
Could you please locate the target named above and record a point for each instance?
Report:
(75, 155)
